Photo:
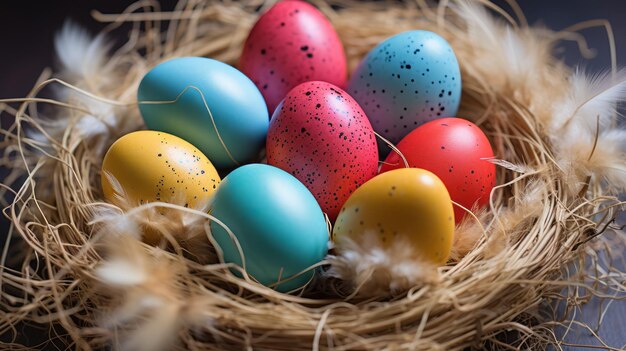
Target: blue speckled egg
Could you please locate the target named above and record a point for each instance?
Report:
(405, 81)
(279, 225)
(230, 129)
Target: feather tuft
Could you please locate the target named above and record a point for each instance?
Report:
(370, 269)
(468, 233)
(588, 139)
(80, 54)
(590, 97)
(121, 273)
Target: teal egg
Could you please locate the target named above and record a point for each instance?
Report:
(230, 129)
(280, 227)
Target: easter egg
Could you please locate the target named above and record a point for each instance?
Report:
(407, 206)
(148, 166)
(208, 103)
(455, 150)
(320, 135)
(405, 81)
(292, 43)
(277, 222)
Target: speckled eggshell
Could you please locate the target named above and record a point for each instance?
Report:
(279, 226)
(155, 166)
(405, 81)
(321, 136)
(208, 103)
(406, 206)
(455, 150)
(292, 43)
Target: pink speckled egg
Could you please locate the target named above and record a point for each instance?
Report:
(321, 135)
(292, 43)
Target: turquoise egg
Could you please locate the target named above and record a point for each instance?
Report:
(405, 81)
(280, 227)
(230, 129)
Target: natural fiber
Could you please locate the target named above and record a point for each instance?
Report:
(74, 261)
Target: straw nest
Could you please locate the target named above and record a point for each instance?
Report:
(74, 261)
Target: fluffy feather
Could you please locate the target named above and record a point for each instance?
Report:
(148, 299)
(157, 332)
(587, 137)
(495, 47)
(519, 168)
(84, 63)
(156, 224)
(494, 231)
(147, 287)
(100, 120)
(468, 233)
(371, 270)
(113, 222)
(80, 55)
(590, 97)
(121, 273)
(606, 165)
(152, 223)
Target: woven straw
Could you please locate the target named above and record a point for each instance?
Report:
(560, 164)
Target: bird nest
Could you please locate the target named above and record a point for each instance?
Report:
(74, 262)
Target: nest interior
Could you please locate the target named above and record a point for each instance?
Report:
(74, 260)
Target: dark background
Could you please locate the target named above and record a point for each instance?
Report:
(27, 29)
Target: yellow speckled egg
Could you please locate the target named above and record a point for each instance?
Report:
(407, 206)
(155, 166)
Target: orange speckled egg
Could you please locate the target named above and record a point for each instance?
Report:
(155, 166)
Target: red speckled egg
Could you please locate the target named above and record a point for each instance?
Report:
(321, 135)
(454, 149)
(292, 43)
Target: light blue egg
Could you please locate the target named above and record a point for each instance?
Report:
(406, 81)
(276, 220)
(236, 108)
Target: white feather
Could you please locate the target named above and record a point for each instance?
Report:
(519, 168)
(497, 47)
(590, 97)
(98, 122)
(131, 307)
(588, 141)
(610, 161)
(115, 222)
(158, 332)
(376, 269)
(121, 273)
(80, 54)
(479, 23)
